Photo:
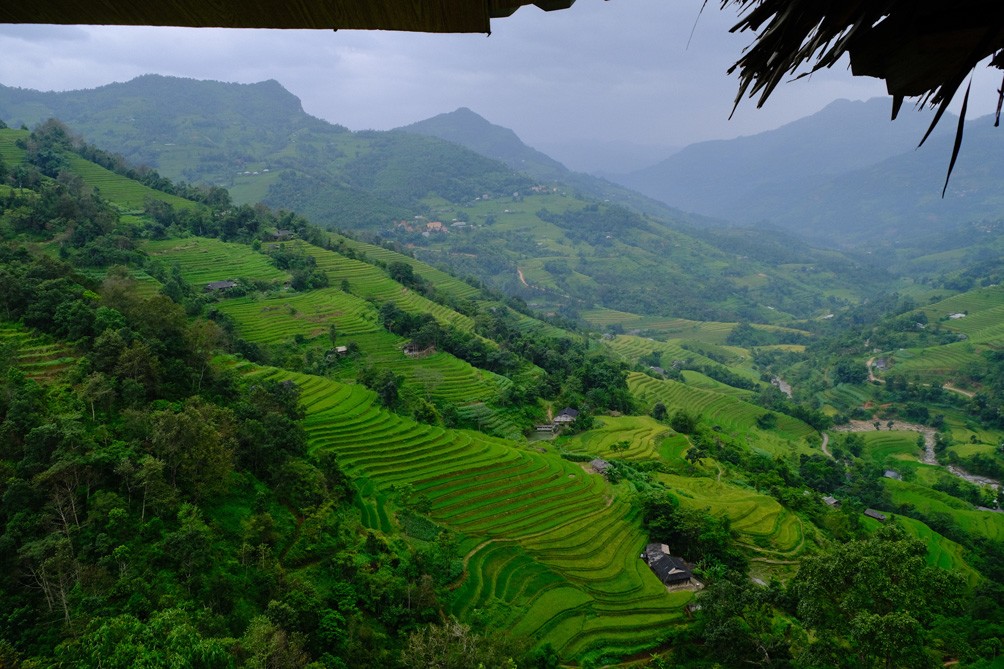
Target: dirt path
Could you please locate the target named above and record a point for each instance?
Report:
(964, 393)
(522, 279)
(871, 371)
(781, 385)
(826, 442)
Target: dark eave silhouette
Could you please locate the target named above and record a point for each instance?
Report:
(433, 16)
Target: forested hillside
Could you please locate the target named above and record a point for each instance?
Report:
(231, 437)
(563, 242)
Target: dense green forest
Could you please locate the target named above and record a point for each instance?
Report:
(230, 437)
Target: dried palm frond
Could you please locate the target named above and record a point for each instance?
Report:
(923, 49)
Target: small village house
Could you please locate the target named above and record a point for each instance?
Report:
(566, 416)
(672, 571)
(215, 286)
(600, 466)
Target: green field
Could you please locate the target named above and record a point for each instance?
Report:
(979, 523)
(202, 260)
(445, 283)
(121, 190)
(369, 281)
(9, 151)
(764, 526)
(275, 318)
(730, 413)
(678, 328)
(941, 552)
(548, 554)
(38, 357)
(890, 448)
(440, 376)
(643, 434)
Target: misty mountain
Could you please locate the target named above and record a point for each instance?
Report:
(843, 173)
(256, 140)
(468, 129)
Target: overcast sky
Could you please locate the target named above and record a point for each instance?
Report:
(617, 71)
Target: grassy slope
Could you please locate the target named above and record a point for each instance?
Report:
(202, 260)
(730, 413)
(124, 192)
(549, 553)
(981, 328)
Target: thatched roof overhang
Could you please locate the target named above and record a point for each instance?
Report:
(434, 16)
(920, 48)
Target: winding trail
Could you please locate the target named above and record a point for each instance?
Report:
(522, 279)
(871, 371)
(826, 442)
(964, 393)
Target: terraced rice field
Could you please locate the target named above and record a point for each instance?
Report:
(698, 380)
(9, 150)
(679, 328)
(278, 318)
(888, 448)
(941, 552)
(981, 523)
(845, 396)
(36, 356)
(984, 308)
(936, 363)
(369, 281)
(643, 435)
(446, 283)
(548, 553)
(730, 413)
(203, 260)
(764, 525)
(146, 286)
(983, 326)
(439, 376)
(124, 192)
(632, 348)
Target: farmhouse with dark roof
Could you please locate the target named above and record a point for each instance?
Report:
(670, 570)
(565, 416)
(600, 466)
(220, 285)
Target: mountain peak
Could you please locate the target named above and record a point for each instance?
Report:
(471, 130)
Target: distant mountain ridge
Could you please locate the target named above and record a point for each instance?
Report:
(474, 132)
(844, 176)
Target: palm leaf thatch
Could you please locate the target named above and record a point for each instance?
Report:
(923, 49)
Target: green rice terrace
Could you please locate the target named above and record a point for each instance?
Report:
(440, 376)
(369, 281)
(790, 436)
(282, 461)
(977, 316)
(773, 533)
(549, 552)
(627, 438)
(203, 260)
(38, 357)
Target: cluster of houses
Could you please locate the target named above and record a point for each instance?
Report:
(564, 417)
(834, 503)
(427, 228)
